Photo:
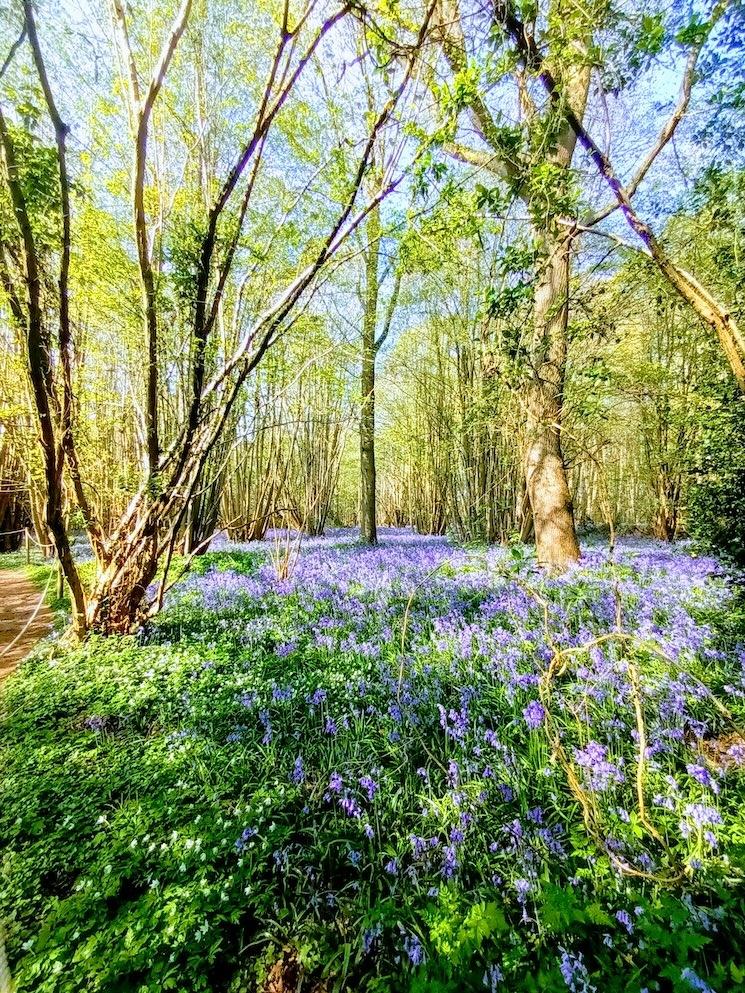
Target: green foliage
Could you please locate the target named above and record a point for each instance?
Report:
(460, 92)
(695, 32)
(38, 176)
(133, 770)
(651, 37)
(716, 503)
(458, 929)
(240, 562)
(551, 192)
(516, 267)
(507, 300)
(184, 249)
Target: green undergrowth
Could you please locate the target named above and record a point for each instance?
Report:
(261, 786)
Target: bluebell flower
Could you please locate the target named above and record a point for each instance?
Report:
(413, 948)
(523, 889)
(701, 815)
(350, 806)
(702, 775)
(267, 725)
(534, 715)
(492, 978)
(574, 972)
(95, 722)
(369, 786)
(449, 861)
(601, 773)
(695, 981)
(736, 753)
(623, 917)
(370, 936)
(247, 834)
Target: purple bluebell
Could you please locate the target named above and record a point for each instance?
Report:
(534, 715)
(414, 949)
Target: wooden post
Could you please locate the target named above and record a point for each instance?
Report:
(60, 581)
(27, 542)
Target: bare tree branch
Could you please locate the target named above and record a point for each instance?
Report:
(710, 310)
(684, 99)
(141, 111)
(65, 335)
(13, 49)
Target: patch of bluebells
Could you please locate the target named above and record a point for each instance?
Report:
(702, 775)
(534, 715)
(370, 787)
(245, 837)
(691, 978)
(437, 749)
(600, 772)
(574, 972)
(298, 771)
(414, 949)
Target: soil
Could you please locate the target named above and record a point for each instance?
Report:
(19, 598)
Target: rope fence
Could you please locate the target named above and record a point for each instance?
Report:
(29, 539)
(27, 625)
(45, 548)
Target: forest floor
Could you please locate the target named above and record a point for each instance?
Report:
(22, 621)
(417, 768)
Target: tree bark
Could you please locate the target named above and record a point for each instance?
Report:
(42, 383)
(115, 606)
(368, 508)
(546, 479)
(545, 470)
(118, 600)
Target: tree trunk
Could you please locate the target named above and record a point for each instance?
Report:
(545, 471)
(368, 524)
(115, 604)
(368, 502)
(204, 510)
(711, 311)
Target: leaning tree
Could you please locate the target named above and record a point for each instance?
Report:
(538, 63)
(541, 59)
(127, 554)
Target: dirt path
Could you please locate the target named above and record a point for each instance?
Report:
(19, 599)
